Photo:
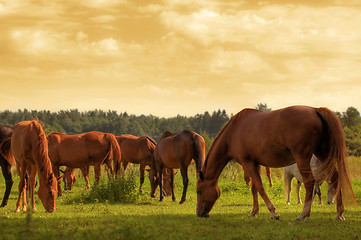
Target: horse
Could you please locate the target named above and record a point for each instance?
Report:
(292, 171)
(277, 139)
(5, 133)
(137, 150)
(82, 150)
(176, 150)
(29, 147)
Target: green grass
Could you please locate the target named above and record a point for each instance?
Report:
(147, 218)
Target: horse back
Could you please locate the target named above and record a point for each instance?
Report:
(136, 149)
(27, 138)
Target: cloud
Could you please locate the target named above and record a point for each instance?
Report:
(104, 19)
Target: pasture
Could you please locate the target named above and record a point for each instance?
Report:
(147, 218)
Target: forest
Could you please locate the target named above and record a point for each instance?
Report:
(207, 124)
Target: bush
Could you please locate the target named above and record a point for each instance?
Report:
(122, 189)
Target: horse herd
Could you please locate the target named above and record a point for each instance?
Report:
(252, 138)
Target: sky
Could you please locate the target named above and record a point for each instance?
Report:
(179, 56)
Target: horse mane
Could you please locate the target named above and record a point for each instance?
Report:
(41, 151)
(233, 119)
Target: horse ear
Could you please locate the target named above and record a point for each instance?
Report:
(201, 175)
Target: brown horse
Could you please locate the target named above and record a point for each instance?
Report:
(82, 150)
(29, 147)
(6, 132)
(137, 150)
(176, 150)
(276, 139)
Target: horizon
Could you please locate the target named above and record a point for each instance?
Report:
(168, 58)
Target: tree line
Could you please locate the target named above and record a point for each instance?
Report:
(207, 124)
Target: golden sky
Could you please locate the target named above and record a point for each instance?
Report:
(179, 56)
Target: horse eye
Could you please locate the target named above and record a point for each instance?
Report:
(199, 192)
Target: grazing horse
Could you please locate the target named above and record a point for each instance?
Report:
(137, 150)
(176, 150)
(82, 150)
(292, 171)
(29, 147)
(6, 132)
(277, 139)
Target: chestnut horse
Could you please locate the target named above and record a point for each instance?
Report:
(176, 150)
(82, 150)
(6, 132)
(137, 150)
(29, 147)
(277, 139)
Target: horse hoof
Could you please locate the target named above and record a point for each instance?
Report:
(253, 215)
(181, 202)
(275, 216)
(340, 217)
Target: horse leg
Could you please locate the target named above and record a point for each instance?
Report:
(22, 188)
(32, 182)
(298, 191)
(251, 168)
(160, 182)
(288, 185)
(57, 174)
(86, 171)
(340, 207)
(97, 168)
(6, 170)
(268, 172)
(318, 192)
(247, 178)
(141, 170)
(172, 182)
(254, 191)
(309, 183)
(184, 172)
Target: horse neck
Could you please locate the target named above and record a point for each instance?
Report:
(217, 157)
(43, 163)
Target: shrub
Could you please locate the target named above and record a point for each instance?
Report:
(122, 189)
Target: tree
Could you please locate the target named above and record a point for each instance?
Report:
(263, 107)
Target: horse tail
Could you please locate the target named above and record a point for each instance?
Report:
(5, 151)
(151, 140)
(152, 145)
(115, 152)
(336, 157)
(199, 151)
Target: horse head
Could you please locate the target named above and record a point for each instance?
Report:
(48, 191)
(207, 194)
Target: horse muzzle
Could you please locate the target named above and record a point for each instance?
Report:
(203, 213)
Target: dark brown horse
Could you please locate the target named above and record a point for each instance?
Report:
(277, 139)
(137, 150)
(29, 147)
(6, 132)
(177, 150)
(82, 150)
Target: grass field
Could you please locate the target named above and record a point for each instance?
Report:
(147, 218)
